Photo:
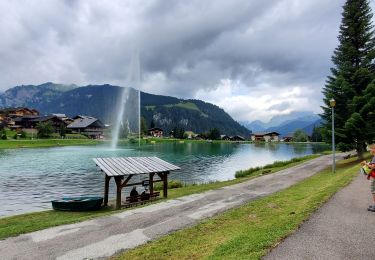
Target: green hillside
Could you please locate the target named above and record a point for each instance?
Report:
(101, 101)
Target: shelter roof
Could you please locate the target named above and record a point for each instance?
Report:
(120, 166)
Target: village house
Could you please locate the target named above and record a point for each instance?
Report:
(10, 116)
(287, 138)
(265, 137)
(199, 137)
(88, 126)
(225, 137)
(21, 111)
(237, 138)
(155, 132)
(57, 123)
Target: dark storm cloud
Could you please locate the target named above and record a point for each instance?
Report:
(186, 48)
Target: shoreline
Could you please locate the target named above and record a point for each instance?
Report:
(18, 224)
(44, 143)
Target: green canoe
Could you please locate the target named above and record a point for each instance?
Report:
(78, 203)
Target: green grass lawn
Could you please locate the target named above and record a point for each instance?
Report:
(12, 144)
(248, 232)
(20, 224)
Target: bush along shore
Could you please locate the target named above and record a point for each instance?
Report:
(25, 223)
(267, 168)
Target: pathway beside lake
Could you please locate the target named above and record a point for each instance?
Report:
(105, 236)
(341, 229)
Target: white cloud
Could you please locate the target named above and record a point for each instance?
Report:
(275, 54)
(259, 104)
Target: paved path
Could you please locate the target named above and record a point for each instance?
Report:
(341, 229)
(103, 237)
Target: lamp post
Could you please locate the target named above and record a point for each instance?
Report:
(332, 103)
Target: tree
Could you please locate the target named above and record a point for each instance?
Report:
(350, 77)
(300, 136)
(3, 134)
(63, 130)
(178, 132)
(45, 129)
(152, 124)
(143, 126)
(316, 135)
(214, 134)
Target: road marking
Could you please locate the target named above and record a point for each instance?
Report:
(108, 246)
(54, 232)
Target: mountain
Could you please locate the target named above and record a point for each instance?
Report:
(309, 129)
(101, 101)
(287, 124)
(29, 95)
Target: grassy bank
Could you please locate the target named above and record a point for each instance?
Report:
(20, 224)
(249, 231)
(267, 168)
(13, 144)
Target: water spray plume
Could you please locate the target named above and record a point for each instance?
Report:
(133, 80)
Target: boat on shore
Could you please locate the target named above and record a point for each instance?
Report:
(78, 204)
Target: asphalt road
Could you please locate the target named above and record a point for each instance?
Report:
(341, 229)
(105, 236)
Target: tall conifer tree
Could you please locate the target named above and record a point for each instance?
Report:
(350, 79)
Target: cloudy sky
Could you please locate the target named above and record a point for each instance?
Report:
(254, 58)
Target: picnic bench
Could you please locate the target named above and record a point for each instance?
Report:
(141, 199)
(119, 167)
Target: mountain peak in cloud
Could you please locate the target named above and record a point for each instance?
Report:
(280, 120)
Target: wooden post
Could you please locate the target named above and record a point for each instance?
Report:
(151, 181)
(119, 188)
(165, 185)
(106, 189)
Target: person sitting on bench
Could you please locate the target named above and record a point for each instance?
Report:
(134, 195)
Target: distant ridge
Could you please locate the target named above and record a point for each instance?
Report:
(287, 124)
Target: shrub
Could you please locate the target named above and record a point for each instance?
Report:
(45, 130)
(173, 184)
(23, 134)
(248, 172)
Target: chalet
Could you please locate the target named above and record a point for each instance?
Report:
(87, 125)
(56, 122)
(200, 137)
(64, 118)
(225, 137)
(265, 136)
(190, 134)
(287, 138)
(10, 117)
(24, 121)
(155, 132)
(237, 138)
(21, 111)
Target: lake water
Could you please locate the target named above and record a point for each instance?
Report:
(31, 178)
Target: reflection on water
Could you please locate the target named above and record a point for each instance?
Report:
(30, 178)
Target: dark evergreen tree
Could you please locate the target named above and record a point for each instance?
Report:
(214, 134)
(152, 124)
(316, 135)
(143, 126)
(351, 75)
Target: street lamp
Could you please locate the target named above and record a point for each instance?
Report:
(332, 103)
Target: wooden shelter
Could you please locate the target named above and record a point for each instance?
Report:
(120, 167)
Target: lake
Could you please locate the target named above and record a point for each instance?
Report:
(31, 178)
